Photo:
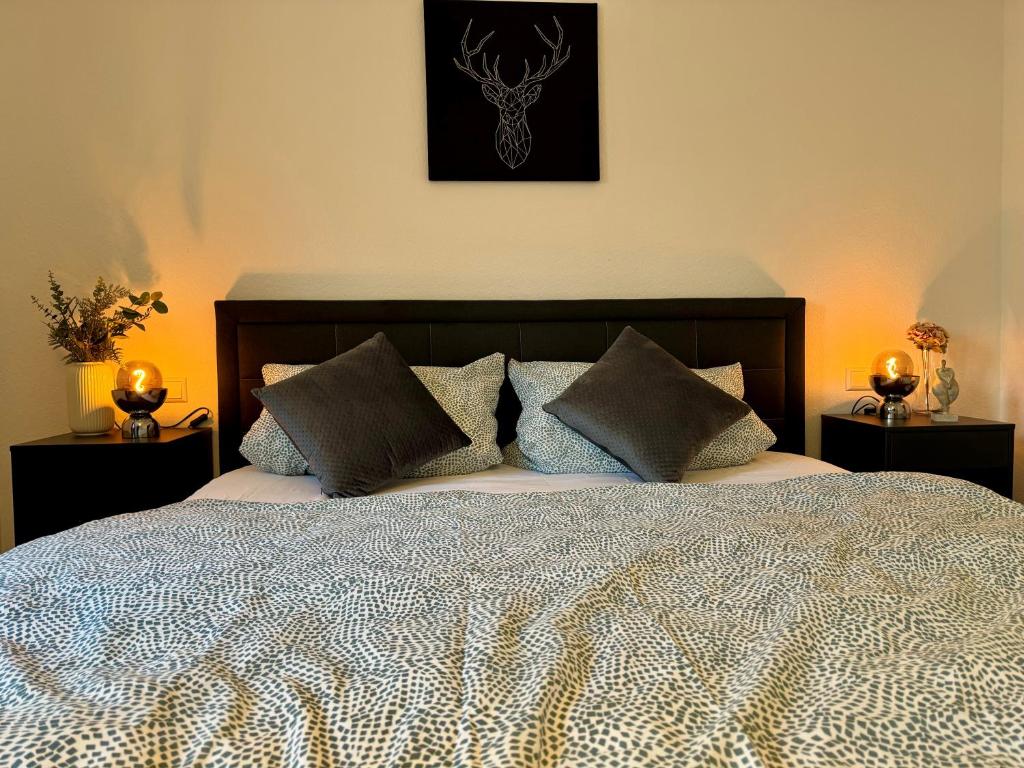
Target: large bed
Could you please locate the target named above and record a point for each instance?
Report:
(780, 613)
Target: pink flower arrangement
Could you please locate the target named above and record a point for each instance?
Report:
(926, 335)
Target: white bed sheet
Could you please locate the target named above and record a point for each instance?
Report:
(251, 484)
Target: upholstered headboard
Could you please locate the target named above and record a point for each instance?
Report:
(765, 335)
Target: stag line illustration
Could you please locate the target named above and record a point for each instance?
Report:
(512, 138)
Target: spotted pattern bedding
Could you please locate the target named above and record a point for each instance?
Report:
(836, 620)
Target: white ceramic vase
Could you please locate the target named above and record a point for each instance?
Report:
(90, 406)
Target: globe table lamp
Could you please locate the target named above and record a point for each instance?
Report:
(892, 377)
(139, 393)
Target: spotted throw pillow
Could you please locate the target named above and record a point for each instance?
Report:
(545, 444)
(469, 395)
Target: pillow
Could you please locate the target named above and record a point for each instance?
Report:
(265, 445)
(738, 444)
(646, 408)
(362, 418)
(545, 444)
(468, 394)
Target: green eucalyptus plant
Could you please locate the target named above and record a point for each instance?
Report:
(88, 328)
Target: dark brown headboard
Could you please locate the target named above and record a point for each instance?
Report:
(765, 335)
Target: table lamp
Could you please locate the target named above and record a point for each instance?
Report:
(139, 393)
(892, 377)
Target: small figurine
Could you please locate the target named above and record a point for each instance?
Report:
(946, 391)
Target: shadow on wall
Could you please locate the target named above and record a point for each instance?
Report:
(128, 251)
(660, 277)
(1013, 336)
(192, 167)
(107, 242)
(202, 79)
(971, 279)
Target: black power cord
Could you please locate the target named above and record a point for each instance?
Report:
(867, 407)
(194, 424)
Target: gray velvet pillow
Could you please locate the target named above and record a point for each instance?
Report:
(468, 394)
(645, 408)
(362, 418)
(545, 444)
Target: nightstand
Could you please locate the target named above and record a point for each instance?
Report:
(63, 481)
(972, 449)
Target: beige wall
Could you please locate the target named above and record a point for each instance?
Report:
(840, 150)
(1013, 228)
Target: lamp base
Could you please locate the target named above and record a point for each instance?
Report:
(893, 408)
(140, 425)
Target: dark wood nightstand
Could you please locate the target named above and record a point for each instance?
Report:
(972, 449)
(66, 480)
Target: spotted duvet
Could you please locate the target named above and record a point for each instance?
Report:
(841, 620)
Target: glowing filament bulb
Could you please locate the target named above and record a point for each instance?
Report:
(140, 377)
(890, 368)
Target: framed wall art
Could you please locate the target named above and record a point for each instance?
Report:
(511, 90)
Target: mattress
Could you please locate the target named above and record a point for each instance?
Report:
(251, 484)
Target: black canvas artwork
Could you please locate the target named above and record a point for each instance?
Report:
(511, 90)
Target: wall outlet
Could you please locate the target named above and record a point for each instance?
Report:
(857, 380)
(177, 391)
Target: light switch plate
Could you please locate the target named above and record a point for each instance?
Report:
(857, 380)
(177, 391)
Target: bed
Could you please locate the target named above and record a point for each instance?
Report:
(251, 484)
(783, 613)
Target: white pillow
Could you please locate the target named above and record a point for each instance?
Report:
(545, 444)
(468, 394)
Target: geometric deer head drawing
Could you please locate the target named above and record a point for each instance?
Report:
(512, 139)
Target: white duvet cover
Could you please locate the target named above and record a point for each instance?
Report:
(251, 484)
